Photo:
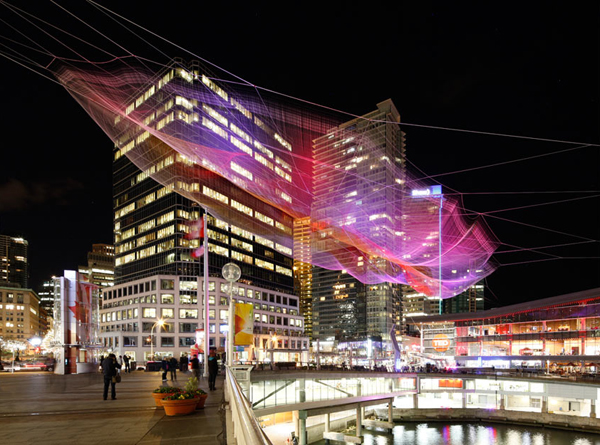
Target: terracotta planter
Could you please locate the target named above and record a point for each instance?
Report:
(179, 407)
(158, 396)
(201, 399)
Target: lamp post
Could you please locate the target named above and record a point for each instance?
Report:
(231, 272)
(273, 344)
(159, 323)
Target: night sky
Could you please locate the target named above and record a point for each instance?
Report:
(511, 68)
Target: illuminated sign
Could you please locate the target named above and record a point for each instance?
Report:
(441, 342)
(450, 383)
(434, 190)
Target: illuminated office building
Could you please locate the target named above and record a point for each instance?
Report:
(47, 297)
(368, 155)
(471, 300)
(130, 312)
(151, 220)
(100, 269)
(13, 262)
(19, 314)
(303, 271)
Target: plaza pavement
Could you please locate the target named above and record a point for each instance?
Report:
(44, 408)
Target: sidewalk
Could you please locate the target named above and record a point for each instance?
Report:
(40, 407)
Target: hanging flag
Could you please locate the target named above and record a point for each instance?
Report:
(196, 229)
(197, 253)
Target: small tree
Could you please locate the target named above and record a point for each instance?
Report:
(50, 343)
(15, 346)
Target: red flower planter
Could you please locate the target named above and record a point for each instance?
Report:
(179, 407)
(158, 396)
(201, 400)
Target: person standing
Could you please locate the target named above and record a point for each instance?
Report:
(183, 363)
(173, 368)
(213, 370)
(109, 369)
(164, 365)
(126, 361)
(196, 367)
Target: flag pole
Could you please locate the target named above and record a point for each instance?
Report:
(206, 319)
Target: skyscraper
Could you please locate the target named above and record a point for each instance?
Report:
(152, 219)
(160, 195)
(100, 269)
(359, 169)
(14, 271)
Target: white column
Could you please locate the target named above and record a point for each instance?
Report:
(359, 421)
(206, 318)
(302, 436)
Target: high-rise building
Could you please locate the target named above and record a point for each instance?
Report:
(152, 219)
(358, 165)
(47, 297)
(154, 222)
(100, 269)
(14, 270)
(303, 271)
(471, 300)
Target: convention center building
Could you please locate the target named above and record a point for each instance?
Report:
(559, 334)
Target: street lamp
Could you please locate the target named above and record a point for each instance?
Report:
(231, 272)
(160, 323)
(273, 344)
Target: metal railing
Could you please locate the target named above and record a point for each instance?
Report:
(246, 429)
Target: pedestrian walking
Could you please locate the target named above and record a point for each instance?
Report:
(173, 368)
(213, 370)
(109, 369)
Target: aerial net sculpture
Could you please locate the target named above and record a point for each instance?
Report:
(223, 146)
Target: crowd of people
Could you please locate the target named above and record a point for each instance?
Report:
(111, 368)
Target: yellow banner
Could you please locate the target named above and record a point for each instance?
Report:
(244, 324)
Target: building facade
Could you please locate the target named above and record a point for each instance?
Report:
(552, 334)
(100, 269)
(19, 314)
(152, 219)
(47, 297)
(471, 300)
(14, 270)
(368, 156)
(131, 311)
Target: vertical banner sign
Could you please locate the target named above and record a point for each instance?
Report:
(244, 324)
(83, 312)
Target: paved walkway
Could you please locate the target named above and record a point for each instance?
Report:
(40, 407)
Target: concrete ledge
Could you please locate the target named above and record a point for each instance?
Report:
(341, 437)
(558, 421)
(377, 424)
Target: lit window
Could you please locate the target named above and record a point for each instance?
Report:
(264, 264)
(241, 207)
(283, 142)
(241, 170)
(213, 86)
